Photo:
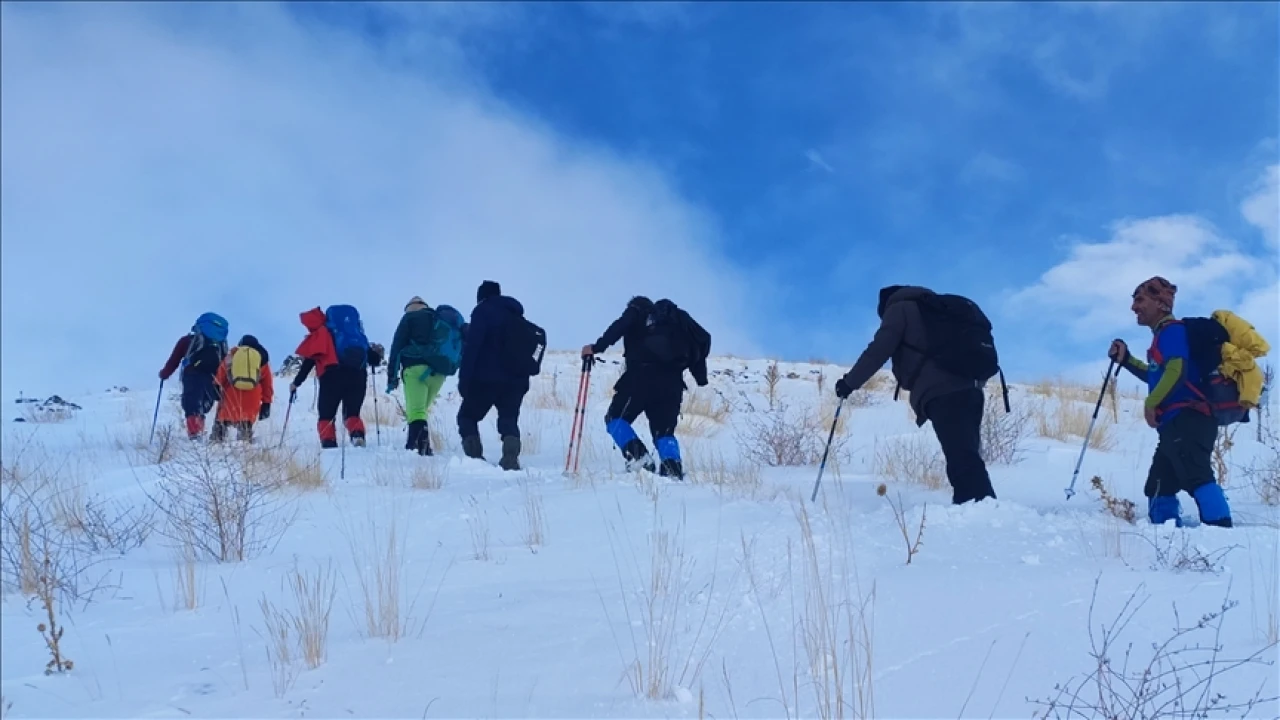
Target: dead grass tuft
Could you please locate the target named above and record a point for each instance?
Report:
(914, 458)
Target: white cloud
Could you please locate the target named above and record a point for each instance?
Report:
(1262, 208)
(1090, 292)
(816, 158)
(157, 165)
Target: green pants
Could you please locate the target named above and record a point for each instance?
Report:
(419, 393)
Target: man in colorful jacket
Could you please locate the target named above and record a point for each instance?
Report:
(1186, 427)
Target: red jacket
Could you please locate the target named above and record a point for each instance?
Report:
(318, 345)
(243, 405)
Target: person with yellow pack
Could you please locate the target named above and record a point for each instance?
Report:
(245, 383)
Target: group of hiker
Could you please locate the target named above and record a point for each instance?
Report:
(493, 354)
(1201, 374)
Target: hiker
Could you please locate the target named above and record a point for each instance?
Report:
(501, 350)
(426, 349)
(660, 341)
(340, 353)
(953, 401)
(247, 388)
(200, 353)
(1185, 425)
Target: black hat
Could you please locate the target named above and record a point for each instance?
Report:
(488, 289)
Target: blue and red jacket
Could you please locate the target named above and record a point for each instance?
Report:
(1168, 372)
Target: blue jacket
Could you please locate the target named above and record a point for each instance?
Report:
(482, 346)
(1167, 371)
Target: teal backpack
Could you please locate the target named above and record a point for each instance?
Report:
(442, 350)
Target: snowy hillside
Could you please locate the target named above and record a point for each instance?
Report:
(377, 584)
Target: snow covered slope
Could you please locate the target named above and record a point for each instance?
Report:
(453, 589)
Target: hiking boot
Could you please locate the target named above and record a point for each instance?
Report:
(357, 440)
(472, 447)
(328, 444)
(414, 440)
(219, 432)
(637, 456)
(510, 453)
(671, 468)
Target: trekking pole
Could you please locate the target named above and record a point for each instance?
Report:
(830, 437)
(284, 432)
(377, 420)
(156, 415)
(586, 392)
(342, 473)
(579, 410)
(1106, 380)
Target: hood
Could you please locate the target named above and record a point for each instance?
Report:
(508, 303)
(251, 341)
(313, 319)
(899, 293)
(415, 303)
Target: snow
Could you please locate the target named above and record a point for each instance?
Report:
(990, 614)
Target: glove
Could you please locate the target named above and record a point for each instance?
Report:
(264, 412)
(293, 393)
(842, 389)
(1119, 352)
(700, 381)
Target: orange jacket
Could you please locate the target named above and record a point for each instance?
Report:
(243, 405)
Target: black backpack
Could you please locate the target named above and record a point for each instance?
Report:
(524, 344)
(673, 337)
(959, 340)
(1205, 337)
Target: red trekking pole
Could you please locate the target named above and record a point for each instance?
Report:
(579, 415)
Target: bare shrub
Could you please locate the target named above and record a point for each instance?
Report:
(1002, 433)
(1119, 508)
(914, 458)
(772, 376)
(781, 438)
(1177, 551)
(900, 517)
(665, 656)
(705, 403)
(1263, 472)
(220, 500)
(1177, 680)
(47, 590)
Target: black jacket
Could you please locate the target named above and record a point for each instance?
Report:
(630, 328)
(484, 343)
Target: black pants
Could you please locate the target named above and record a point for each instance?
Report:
(1183, 458)
(657, 395)
(957, 421)
(342, 386)
(482, 397)
(198, 393)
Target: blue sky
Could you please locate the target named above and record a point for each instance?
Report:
(770, 164)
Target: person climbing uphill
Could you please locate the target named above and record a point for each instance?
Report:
(337, 348)
(199, 353)
(246, 386)
(1183, 421)
(426, 349)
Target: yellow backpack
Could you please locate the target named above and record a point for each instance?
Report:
(246, 365)
(1240, 353)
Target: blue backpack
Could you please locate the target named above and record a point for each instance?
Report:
(208, 344)
(349, 340)
(446, 341)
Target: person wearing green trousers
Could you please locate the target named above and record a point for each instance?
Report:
(407, 360)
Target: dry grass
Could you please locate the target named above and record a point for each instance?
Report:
(277, 633)
(1003, 433)
(385, 412)
(1066, 421)
(555, 394)
(531, 439)
(428, 475)
(1263, 472)
(188, 585)
(478, 525)
(671, 650)
(740, 478)
(535, 521)
(915, 458)
(1222, 445)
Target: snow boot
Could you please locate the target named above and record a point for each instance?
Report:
(219, 432)
(637, 456)
(672, 469)
(195, 426)
(417, 439)
(1212, 503)
(510, 453)
(472, 447)
(1162, 508)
